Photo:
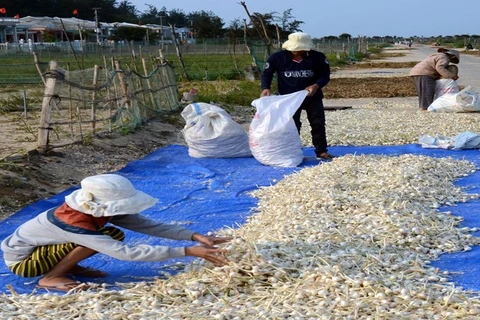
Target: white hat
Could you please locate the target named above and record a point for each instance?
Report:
(298, 41)
(107, 195)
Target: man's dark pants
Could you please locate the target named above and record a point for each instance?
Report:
(316, 116)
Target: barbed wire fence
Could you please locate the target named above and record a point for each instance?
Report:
(79, 104)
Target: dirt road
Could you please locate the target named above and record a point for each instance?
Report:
(469, 73)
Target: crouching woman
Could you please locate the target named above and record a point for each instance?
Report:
(54, 243)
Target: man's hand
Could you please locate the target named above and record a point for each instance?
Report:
(265, 93)
(209, 240)
(214, 255)
(312, 89)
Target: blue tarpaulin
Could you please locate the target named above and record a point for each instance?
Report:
(209, 194)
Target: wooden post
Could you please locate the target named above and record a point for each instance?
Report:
(139, 81)
(96, 68)
(37, 65)
(162, 57)
(44, 127)
(145, 71)
(115, 89)
(25, 104)
(123, 83)
(179, 55)
(109, 93)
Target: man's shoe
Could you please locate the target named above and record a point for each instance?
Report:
(324, 156)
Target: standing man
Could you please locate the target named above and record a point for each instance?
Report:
(298, 67)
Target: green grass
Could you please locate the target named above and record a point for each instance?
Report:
(228, 92)
(217, 77)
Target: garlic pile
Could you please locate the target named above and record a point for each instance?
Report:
(348, 239)
(386, 123)
(366, 73)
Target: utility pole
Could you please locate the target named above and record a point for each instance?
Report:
(97, 26)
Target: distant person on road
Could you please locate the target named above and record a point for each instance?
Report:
(299, 67)
(427, 71)
(53, 243)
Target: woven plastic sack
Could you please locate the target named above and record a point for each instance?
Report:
(274, 138)
(210, 132)
(467, 100)
(445, 86)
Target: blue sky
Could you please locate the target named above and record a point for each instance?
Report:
(401, 18)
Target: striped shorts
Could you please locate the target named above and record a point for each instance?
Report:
(44, 258)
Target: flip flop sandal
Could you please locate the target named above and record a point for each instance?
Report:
(65, 286)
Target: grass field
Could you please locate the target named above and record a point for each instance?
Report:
(217, 77)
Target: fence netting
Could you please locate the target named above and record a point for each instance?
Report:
(78, 104)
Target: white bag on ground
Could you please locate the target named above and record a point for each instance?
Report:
(445, 86)
(210, 132)
(467, 140)
(466, 100)
(274, 138)
(446, 103)
(464, 140)
(440, 141)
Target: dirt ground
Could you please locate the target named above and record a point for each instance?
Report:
(35, 177)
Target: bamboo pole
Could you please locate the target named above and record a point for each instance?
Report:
(145, 71)
(70, 103)
(96, 69)
(118, 105)
(139, 84)
(109, 93)
(123, 83)
(37, 65)
(45, 117)
(179, 55)
(161, 55)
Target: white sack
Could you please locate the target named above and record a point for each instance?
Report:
(467, 140)
(274, 138)
(440, 141)
(464, 140)
(210, 132)
(466, 100)
(445, 86)
(446, 103)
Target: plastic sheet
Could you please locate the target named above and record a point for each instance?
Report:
(209, 194)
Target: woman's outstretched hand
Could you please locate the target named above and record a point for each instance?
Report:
(214, 255)
(210, 240)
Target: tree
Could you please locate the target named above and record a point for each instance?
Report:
(345, 36)
(206, 24)
(235, 29)
(266, 24)
(288, 23)
(177, 17)
(150, 16)
(129, 34)
(127, 12)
